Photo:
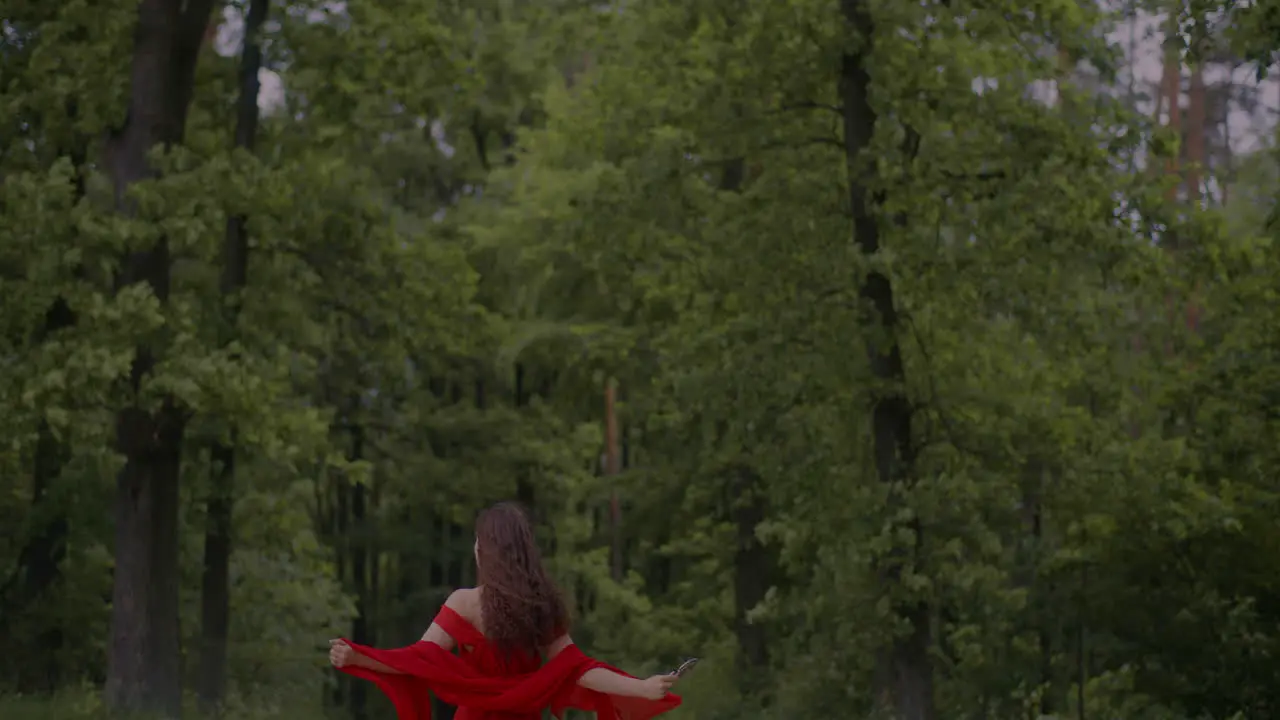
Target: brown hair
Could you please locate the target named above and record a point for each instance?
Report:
(521, 608)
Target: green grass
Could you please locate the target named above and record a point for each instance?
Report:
(87, 705)
(71, 706)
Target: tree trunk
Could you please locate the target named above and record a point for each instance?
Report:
(904, 673)
(215, 598)
(754, 570)
(1195, 134)
(144, 657)
(341, 541)
(215, 589)
(526, 494)
(1040, 589)
(1171, 92)
(144, 662)
(359, 567)
(441, 568)
(1197, 160)
(753, 566)
(41, 560)
(612, 468)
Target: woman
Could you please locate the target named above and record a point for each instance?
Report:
(515, 654)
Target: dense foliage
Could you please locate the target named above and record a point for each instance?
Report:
(880, 353)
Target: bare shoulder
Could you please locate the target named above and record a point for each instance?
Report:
(465, 602)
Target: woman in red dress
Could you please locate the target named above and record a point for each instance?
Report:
(515, 657)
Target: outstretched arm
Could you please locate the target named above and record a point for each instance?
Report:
(612, 683)
(374, 665)
(609, 682)
(341, 655)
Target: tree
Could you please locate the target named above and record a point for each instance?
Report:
(902, 423)
(144, 667)
(215, 590)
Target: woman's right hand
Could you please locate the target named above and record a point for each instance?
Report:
(341, 654)
(657, 687)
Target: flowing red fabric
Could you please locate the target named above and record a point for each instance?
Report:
(483, 687)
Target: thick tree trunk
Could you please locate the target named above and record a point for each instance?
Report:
(904, 676)
(215, 597)
(144, 666)
(144, 672)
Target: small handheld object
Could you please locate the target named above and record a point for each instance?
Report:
(685, 667)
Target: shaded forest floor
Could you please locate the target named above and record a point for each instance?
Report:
(87, 705)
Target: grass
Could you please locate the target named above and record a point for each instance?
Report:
(86, 704)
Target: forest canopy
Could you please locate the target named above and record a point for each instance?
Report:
(912, 360)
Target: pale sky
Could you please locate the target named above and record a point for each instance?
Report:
(1248, 131)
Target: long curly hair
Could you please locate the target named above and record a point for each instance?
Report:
(522, 609)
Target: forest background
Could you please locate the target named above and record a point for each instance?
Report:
(902, 359)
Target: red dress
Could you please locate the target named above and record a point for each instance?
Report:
(486, 685)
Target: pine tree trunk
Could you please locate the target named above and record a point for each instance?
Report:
(1171, 92)
(1195, 134)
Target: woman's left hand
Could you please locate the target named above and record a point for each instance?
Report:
(340, 654)
(657, 687)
